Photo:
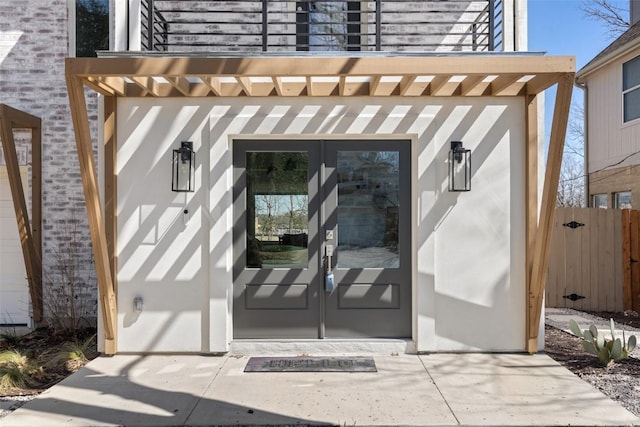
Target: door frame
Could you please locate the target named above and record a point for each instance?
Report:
(413, 139)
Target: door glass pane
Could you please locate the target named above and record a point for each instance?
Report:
(277, 209)
(368, 204)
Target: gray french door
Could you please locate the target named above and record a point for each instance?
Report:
(295, 203)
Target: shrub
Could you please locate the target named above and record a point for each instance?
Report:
(67, 288)
(75, 354)
(15, 369)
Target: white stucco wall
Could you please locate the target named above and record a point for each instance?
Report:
(468, 261)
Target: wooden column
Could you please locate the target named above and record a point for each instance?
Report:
(36, 195)
(542, 242)
(11, 118)
(110, 183)
(106, 291)
(531, 191)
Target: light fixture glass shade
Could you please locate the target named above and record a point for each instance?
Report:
(459, 167)
(183, 166)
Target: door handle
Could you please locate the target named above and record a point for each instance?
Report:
(329, 280)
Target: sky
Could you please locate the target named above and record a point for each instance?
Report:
(560, 27)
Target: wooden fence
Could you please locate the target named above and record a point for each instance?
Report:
(594, 257)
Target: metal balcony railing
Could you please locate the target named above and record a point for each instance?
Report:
(323, 25)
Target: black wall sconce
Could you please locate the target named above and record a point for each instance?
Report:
(459, 167)
(183, 165)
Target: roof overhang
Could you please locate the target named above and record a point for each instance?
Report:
(596, 65)
(462, 75)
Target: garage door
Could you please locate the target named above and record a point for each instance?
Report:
(14, 289)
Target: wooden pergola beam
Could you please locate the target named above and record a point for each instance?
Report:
(542, 243)
(374, 84)
(320, 66)
(107, 298)
(405, 84)
(213, 84)
(541, 82)
(470, 83)
(147, 84)
(437, 84)
(108, 78)
(29, 233)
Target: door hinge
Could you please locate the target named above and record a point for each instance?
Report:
(573, 297)
(573, 224)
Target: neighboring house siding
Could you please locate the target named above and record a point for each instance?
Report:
(33, 45)
(615, 180)
(610, 140)
(612, 167)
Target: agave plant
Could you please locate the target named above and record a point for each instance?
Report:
(607, 350)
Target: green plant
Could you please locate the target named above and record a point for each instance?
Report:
(15, 369)
(75, 354)
(606, 349)
(11, 338)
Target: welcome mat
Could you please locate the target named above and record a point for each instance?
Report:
(310, 364)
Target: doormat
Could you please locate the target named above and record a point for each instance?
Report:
(310, 364)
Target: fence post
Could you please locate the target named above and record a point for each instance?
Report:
(634, 260)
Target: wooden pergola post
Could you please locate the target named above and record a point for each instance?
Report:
(542, 243)
(531, 192)
(107, 298)
(30, 233)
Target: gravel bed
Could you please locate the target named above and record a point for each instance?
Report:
(8, 404)
(620, 381)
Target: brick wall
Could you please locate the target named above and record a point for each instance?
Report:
(34, 38)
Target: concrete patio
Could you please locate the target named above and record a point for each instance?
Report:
(435, 389)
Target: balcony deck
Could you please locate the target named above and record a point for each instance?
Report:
(323, 25)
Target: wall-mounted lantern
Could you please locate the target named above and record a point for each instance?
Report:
(184, 161)
(459, 167)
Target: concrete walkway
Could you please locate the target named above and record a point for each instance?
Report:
(436, 389)
(559, 318)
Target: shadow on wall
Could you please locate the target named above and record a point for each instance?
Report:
(169, 259)
(477, 285)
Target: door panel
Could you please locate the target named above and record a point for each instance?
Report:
(294, 198)
(368, 208)
(276, 257)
